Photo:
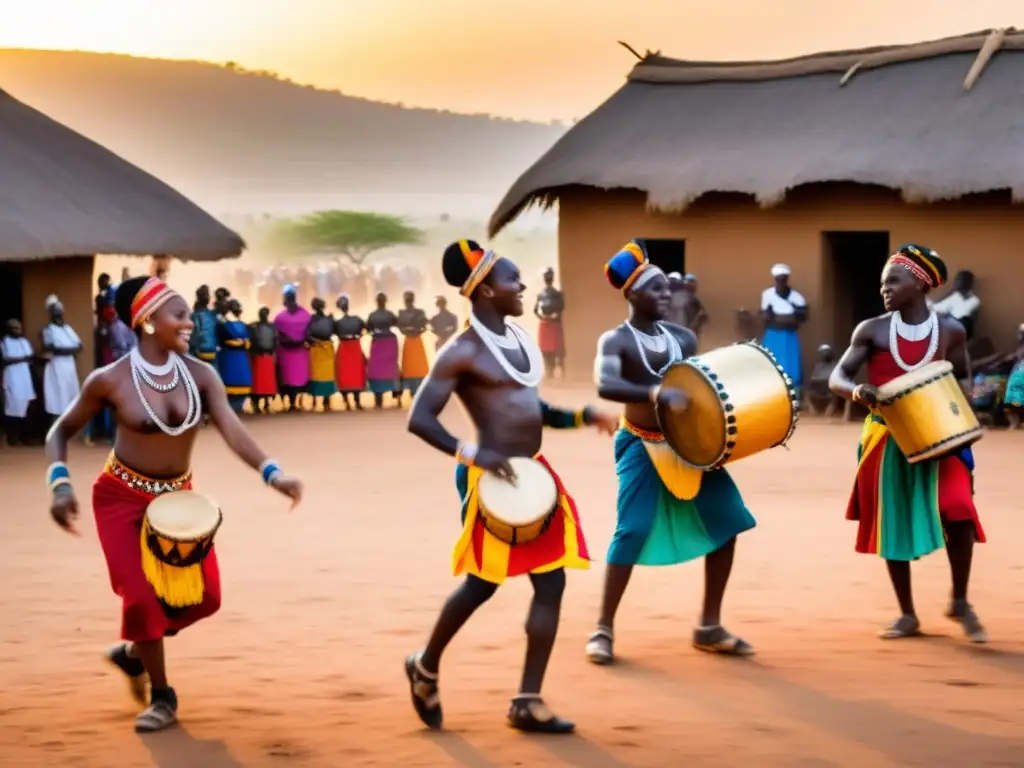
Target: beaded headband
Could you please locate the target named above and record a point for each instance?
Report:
(153, 294)
(481, 263)
(913, 267)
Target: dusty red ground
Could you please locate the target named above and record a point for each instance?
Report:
(303, 666)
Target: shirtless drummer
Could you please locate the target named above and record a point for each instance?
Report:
(494, 369)
(705, 508)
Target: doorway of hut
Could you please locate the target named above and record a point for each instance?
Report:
(852, 267)
(667, 255)
(10, 294)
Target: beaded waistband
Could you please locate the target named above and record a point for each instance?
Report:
(142, 483)
(643, 434)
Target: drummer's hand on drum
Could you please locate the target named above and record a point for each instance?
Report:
(674, 399)
(290, 487)
(492, 461)
(865, 394)
(64, 509)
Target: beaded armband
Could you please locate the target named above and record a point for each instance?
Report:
(57, 475)
(270, 470)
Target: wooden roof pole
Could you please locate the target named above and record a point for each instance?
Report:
(992, 44)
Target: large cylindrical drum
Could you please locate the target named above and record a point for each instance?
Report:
(741, 403)
(927, 413)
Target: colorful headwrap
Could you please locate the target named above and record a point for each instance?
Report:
(153, 294)
(466, 265)
(922, 262)
(629, 269)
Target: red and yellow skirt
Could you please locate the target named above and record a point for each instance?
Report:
(482, 554)
(119, 500)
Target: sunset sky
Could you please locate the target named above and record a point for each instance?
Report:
(537, 59)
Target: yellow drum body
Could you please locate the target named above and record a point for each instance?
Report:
(927, 413)
(519, 513)
(741, 403)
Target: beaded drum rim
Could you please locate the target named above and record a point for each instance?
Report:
(935, 450)
(731, 424)
(946, 370)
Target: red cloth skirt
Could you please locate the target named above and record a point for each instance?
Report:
(350, 366)
(119, 511)
(550, 339)
(264, 376)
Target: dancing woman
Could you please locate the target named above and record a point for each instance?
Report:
(159, 394)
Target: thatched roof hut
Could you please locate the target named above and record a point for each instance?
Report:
(824, 162)
(62, 194)
(933, 120)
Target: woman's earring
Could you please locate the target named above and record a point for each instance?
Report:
(148, 328)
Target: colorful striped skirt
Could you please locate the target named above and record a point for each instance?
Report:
(899, 506)
(669, 513)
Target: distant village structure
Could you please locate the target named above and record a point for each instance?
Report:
(63, 200)
(823, 162)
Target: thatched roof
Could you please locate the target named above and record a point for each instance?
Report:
(62, 194)
(933, 120)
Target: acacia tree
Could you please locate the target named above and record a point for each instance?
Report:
(350, 234)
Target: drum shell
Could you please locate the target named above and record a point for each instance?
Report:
(515, 534)
(184, 548)
(929, 419)
(174, 557)
(741, 403)
(531, 475)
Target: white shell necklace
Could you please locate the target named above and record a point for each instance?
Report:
(140, 369)
(494, 342)
(675, 352)
(899, 329)
(145, 368)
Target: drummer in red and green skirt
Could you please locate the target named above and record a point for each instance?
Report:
(668, 513)
(493, 368)
(906, 511)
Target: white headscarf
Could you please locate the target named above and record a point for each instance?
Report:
(52, 302)
(781, 269)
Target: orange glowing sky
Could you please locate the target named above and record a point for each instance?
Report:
(537, 59)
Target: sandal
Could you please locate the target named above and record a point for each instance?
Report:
(718, 640)
(160, 714)
(529, 713)
(963, 614)
(131, 668)
(599, 647)
(423, 688)
(904, 626)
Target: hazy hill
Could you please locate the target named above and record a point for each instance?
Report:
(240, 142)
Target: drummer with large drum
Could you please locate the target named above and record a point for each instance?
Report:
(675, 501)
(914, 492)
(517, 518)
(155, 532)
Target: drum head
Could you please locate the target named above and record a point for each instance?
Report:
(183, 515)
(532, 497)
(698, 434)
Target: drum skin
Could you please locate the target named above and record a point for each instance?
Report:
(927, 413)
(181, 526)
(520, 513)
(741, 403)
